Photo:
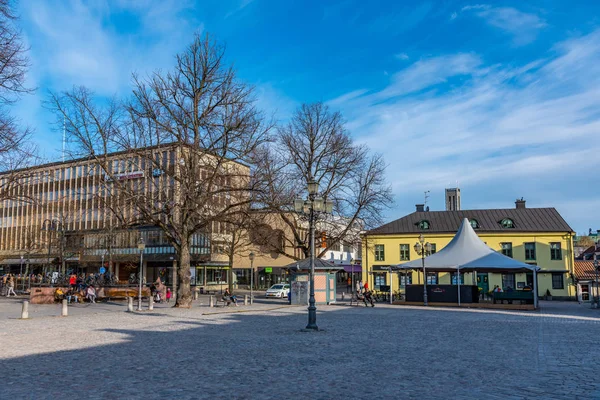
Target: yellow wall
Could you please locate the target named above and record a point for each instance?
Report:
(542, 246)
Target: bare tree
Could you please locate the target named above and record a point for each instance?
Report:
(315, 145)
(15, 150)
(189, 132)
(585, 241)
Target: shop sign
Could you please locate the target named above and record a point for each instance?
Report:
(126, 176)
(268, 270)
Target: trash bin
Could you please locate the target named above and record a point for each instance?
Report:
(201, 290)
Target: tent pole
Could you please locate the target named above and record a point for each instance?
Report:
(458, 281)
(535, 290)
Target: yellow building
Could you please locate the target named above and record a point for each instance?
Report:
(537, 236)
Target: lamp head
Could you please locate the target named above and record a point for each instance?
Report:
(329, 206)
(306, 207)
(251, 256)
(421, 239)
(428, 247)
(319, 204)
(418, 248)
(141, 245)
(298, 205)
(313, 187)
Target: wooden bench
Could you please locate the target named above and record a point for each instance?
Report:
(518, 295)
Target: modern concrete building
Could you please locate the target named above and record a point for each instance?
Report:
(62, 216)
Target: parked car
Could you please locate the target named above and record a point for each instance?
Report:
(278, 290)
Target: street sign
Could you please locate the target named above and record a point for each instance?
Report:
(268, 270)
(102, 270)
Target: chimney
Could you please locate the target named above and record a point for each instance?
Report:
(420, 207)
(520, 203)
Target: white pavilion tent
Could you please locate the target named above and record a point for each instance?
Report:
(467, 252)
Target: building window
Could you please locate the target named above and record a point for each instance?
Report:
(507, 223)
(474, 223)
(508, 281)
(404, 278)
(424, 225)
(557, 280)
(433, 248)
(462, 278)
(555, 252)
(379, 279)
(530, 251)
(404, 252)
(507, 249)
(379, 252)
(432, 278)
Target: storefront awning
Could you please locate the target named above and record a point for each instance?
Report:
(352, 268)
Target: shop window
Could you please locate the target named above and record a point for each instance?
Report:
(379, 278)
(406, 278)
(432, 278)
(508, 281)
(462, 278)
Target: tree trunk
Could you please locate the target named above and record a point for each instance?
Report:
(184, 293)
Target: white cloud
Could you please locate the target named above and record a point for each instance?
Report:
(76, 43)
(515, 130)
(401, 56)
(79, 46)
(241, 6)
(524, 27)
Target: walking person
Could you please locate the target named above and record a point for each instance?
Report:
(349, 285)
(169, 295)
(11, 287)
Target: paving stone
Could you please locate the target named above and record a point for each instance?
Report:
(259, 352)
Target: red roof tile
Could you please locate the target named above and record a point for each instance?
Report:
(584, 270)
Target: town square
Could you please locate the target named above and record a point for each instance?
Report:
(260, 352)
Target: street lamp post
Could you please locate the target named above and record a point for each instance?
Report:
(251, 257)
(21, 275)
(423, 249)
(141, 246)
(352, 274)
(311, 207)
(596, 297)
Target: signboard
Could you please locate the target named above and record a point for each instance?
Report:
(102, 270)
(268, 270)
(156, 172)
(127, 175)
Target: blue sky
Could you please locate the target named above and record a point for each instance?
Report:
(501, 97)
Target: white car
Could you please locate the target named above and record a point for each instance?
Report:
(279, 290)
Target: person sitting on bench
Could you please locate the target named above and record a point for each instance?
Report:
(229, 298)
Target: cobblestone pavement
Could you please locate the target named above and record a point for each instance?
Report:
(259, 352)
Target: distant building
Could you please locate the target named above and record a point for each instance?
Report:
(453, 199)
